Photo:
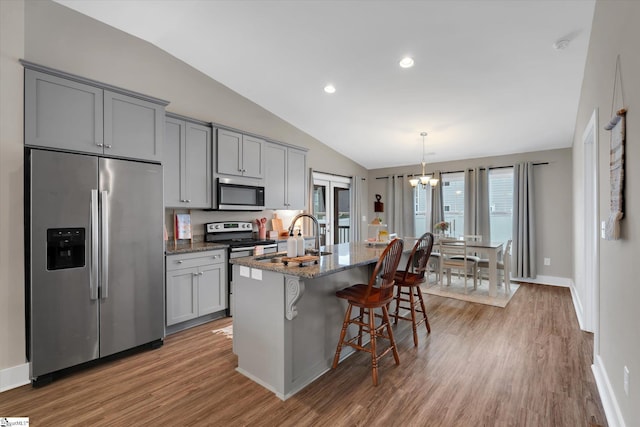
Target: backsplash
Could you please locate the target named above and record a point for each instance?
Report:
(200, 217)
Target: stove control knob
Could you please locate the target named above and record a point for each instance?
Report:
(246, 225)
(216, 226)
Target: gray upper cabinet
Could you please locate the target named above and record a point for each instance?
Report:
(239, 155)
(296, 179)
(285, 183)
(61, 113)
(79, 115)
(132, 127)
(187, 164)
(275, 192)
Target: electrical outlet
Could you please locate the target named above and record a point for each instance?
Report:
(547, 261)
(626, 381)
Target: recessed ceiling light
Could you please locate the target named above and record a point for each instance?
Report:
(406, 62)
(330, 88)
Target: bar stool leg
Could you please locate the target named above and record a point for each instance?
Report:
(412, 305)
(392, 341)
(424, 310)
(374, 355)
(361, 320)
(343, 332)
(397, 309)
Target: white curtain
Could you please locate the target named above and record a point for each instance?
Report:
(358, 207)
(476, 203)
(399, 206)
(523, 255)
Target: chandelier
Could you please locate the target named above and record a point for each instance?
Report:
(423, 179)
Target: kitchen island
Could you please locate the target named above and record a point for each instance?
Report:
(287, 319)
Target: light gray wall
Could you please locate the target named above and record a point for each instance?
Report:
(552, 191)
(615, 32)
(47, 33)
(12, 333)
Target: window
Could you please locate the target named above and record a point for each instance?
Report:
(453, 201)
(422, 210)
(501, 202)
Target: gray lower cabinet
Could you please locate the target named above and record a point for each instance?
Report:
(70, 115)
(196, 285)
(239, 155)
(285, 177)
(187, 164)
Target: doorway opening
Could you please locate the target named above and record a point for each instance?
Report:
(332, 206)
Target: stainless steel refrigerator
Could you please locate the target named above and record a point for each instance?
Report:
(95, 258)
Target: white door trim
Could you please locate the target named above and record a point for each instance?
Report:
(591, 228)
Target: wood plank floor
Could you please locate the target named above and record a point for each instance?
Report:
(525, 365)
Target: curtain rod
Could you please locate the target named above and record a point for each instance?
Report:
(492, 167)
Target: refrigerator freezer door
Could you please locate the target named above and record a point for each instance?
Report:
(132, 281)
(63, 318)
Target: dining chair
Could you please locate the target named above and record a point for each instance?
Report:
(504, 265)
(453, 254)
(407, 284)
(469, 238)
(377, 294)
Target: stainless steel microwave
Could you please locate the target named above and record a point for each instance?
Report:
(238, 195)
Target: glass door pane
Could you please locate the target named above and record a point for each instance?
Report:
(341, 214)
(320, 203)
(332, 207)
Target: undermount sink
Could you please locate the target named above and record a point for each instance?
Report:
(322, 253)
(277, 258)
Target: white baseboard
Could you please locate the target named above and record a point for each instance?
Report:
(608, 398)
(13, 377)
(564, 282)
(577, 305)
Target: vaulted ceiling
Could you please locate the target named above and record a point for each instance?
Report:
(490, 76)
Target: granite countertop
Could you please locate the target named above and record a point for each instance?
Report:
(342, 257)
(185, 248)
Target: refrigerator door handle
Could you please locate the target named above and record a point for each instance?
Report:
(105, 244)
(93, 267)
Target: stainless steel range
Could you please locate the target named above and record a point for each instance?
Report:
(240, 237)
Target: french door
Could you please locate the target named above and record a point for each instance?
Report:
(332, 207)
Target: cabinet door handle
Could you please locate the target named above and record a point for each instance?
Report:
(179, 261)
(201, 273)
(216, 256)
(99, 145)
(107, 146)
(195, 274)
(188, 200)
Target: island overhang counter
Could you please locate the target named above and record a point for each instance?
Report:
(287, 319)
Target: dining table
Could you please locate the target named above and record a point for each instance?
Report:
(492, 251)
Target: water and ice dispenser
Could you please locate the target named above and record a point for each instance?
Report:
(65, 248)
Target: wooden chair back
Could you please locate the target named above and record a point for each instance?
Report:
(419, 258)
(385, 270)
